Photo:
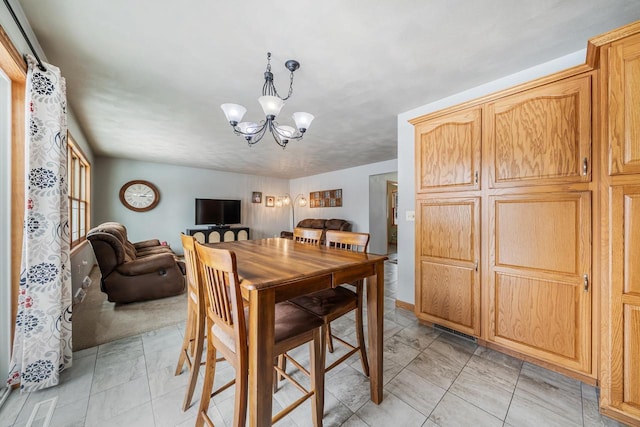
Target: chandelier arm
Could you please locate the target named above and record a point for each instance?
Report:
(276, 130)
(277, 136)
(257, 136)
(252, 137)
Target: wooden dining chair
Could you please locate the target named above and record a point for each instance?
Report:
(194, 334)
(227, 334)
(330, 304)
(310, 236)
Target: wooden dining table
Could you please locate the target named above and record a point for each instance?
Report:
(277, 269)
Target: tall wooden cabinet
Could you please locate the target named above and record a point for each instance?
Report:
(620, 376)
(528, 220)
(504, 218)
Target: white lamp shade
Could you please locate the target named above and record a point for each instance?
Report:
(286, 200)
(271, 105)
(248, 127)
(303, 120)
(286, 131)
(302, 202)
(234, 112)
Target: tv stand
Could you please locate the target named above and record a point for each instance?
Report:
(219, 233)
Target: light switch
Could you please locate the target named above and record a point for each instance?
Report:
(410, 215)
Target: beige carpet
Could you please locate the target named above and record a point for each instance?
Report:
(96, 321)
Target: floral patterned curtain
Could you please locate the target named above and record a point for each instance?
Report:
(42, 341)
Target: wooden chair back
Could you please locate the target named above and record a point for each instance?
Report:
(191, 263)
(224, 306)
(356, 242)
(309, 236)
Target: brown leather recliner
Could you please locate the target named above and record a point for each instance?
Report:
(135, 271)
(324, 224)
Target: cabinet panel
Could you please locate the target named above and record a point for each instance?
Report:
(540, 274)
(551, 324)
(624, 339)
(199, 236)
(631, 232)
(624, 114)
(542, 135)
(452, 295)
(448, 288)
(448, 229)
(632, 356)
(448, 149)
(538, 233)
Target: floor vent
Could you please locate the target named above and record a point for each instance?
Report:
(42, 413)
(454, 332)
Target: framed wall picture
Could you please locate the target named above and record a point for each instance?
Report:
(270, 201)
(256, 197)
(326, 198)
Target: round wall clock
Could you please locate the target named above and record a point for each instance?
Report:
(139, 195)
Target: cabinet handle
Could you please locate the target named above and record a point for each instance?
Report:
(586, 282)
(585, 166)
(475, 264)
(476, 177)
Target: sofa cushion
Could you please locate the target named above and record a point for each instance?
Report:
(311, 223)
(337, 224)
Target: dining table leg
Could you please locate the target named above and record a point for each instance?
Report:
(375, 327)
(261, 339)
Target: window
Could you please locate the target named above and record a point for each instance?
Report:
(79, 191)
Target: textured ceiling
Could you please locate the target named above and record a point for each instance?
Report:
(146, 78)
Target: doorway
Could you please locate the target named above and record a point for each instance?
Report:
(381, 212)
(392, 221)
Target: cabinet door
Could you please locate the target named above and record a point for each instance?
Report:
(448, 248)
(624, 110)
(542, 135)
(624, 338)
(540, 274)
(214, 237)
(448, 152)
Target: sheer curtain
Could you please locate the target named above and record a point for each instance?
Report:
(42, 341)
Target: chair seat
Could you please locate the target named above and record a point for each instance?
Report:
(290, 321)
(328, 303)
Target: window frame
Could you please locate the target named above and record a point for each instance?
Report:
(77, 160)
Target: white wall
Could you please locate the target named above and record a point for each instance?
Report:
(378, 211)
(354, 183)
(406, 170)
(179, 187)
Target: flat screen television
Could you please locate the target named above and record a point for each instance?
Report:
(217, 212)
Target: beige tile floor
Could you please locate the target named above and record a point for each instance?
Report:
(430, 379)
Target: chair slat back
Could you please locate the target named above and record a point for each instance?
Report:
(222, 291)
(191, 262)
(356, 242)
(309, 236)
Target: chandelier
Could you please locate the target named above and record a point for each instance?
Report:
(271, 103)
